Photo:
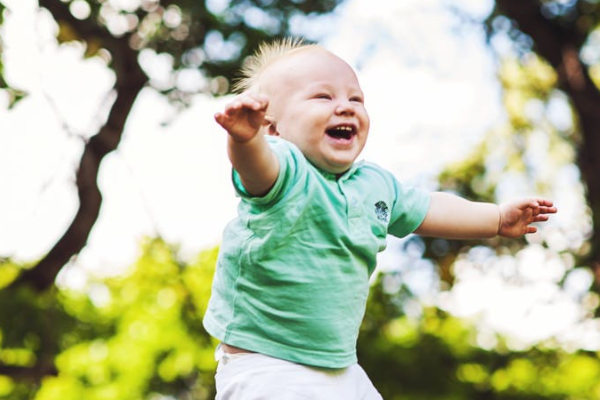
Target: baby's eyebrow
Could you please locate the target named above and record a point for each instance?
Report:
(326, 86)
(319, 85)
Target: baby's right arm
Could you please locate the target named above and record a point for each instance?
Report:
(249, 152)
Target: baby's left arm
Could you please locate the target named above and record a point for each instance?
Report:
(453, 217)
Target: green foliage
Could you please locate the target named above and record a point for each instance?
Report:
(468, 177)
(529, 88)
(436, 356)
(193, 35)
(8, 272)
(197, 40)
(158, 344)
(13, 95)
(32, 330)
(125, 338)
(140, 335)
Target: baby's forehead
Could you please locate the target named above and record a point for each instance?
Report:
(289, 65)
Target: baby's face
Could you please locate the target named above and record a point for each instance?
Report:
(315, 102)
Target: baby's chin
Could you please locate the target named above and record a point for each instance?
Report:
(337, 169)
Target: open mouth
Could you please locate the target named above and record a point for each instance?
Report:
(341, 132)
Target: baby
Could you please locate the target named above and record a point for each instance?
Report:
(292, 277)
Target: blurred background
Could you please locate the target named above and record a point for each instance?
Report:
(115, 189)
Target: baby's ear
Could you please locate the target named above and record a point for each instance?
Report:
(271, 126)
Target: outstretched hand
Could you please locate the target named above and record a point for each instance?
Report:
(517, 216)
(244, 116)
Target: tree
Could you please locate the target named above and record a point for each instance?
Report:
(553, 56)
(560, 32)
(180, 29)
(210, 42)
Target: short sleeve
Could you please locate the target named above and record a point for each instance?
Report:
(291, 166)
(410, 208)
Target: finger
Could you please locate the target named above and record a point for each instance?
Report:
(547, 210)
(250, 103)
(545, 203)
(232, 108)
(259, 97)
(220, 118)
(254, 102)
(531, 229)
(268, 120)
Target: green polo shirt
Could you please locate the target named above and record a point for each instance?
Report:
(292, 276)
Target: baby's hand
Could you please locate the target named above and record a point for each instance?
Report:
(516, 216)
(244, 116)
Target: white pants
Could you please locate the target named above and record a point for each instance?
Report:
(252, 376)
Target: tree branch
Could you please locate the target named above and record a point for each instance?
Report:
(130, 79)
(30, 374)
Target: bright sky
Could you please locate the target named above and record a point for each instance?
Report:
(431, 94)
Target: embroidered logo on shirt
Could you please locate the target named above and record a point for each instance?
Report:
(382, 211)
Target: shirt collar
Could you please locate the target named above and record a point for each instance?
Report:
(343, 177)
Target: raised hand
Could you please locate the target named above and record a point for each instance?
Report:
(244, 116)
(517, 216)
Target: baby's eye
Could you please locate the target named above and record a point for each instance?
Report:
(324, 96)
(357, 99)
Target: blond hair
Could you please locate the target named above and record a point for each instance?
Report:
(266, 55)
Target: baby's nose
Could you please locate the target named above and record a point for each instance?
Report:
(345, 107)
